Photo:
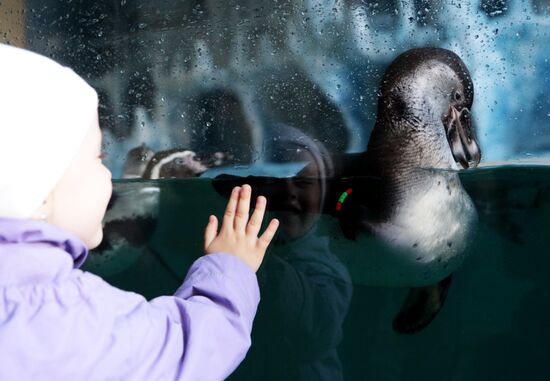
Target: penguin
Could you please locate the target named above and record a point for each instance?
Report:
(132, 213)
(404, 190)
(422, 136)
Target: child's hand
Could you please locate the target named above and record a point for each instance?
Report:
(238, 235)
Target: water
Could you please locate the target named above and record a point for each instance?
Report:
(493, 325)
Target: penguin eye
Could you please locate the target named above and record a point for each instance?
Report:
(457, 96)
(180, 161)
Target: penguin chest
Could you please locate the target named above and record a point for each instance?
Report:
(423, 240)
(434, 224)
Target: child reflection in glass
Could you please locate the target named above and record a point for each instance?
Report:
(306, 290)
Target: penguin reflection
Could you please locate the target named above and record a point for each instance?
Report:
(306, 290)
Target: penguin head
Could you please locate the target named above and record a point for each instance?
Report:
(427, 94)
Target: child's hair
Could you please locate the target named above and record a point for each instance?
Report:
(45, 112)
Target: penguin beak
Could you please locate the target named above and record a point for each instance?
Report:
(461, 138)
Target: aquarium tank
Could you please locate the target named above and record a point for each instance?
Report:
(413, 243)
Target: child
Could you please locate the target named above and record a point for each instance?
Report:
(60, 323)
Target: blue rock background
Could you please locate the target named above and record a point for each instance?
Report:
(208, 75)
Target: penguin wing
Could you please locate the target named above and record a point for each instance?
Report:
(353, 202)
(354, 194)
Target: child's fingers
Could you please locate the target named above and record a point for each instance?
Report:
(269, 233)
(229, 214)
(210, 232)
(243, 208)
(255, 223)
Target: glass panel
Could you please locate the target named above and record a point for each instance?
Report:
(385, 225)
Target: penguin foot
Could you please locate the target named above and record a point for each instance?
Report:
(421, 306)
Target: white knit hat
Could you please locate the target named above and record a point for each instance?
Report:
(46, 111)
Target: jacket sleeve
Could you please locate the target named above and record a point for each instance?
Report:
(311, 300)
(200, 333)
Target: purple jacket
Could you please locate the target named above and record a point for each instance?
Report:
(60, 323)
